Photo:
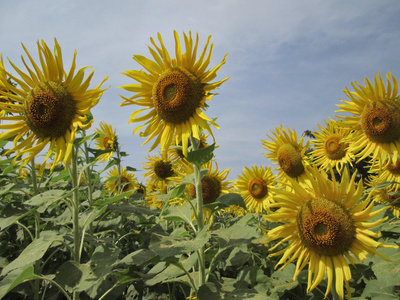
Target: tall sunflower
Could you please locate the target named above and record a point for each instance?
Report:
(173, 92)
(375, 118)
(330, 151)
(48, 107)
(287, 151)
(256, 186)
(106, 141)
(325, 224)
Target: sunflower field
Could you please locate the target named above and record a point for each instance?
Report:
(76, 223)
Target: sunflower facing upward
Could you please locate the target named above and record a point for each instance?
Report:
(173, 92)
(375, 119)
(325, 224)
(48, 108)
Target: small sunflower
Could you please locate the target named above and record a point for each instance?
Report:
(116, 183)
(325, 224)
(287, 151)
(106, 141)
(256, 186)
(48, 108)
(160, 169)
(173, 92)
(329, 148)
(375, 119)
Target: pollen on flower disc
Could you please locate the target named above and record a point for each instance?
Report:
(258, 188)
(49, 110)
(176, 95)
(334, 149)
(380, 120)
(289, 159)
(325, 227)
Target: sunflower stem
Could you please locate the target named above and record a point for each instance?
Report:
(75, 202)
(90, 191)
(37, 228)
(199, 199)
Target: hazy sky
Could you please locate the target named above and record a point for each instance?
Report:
(288, 61)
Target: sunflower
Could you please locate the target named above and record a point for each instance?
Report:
(107, 141)
(386, 192)
(48, 108)
(287, 151)
(174, 92)
(325, 224)
(375, 119)
(256, 186)
(329, 149)
(116, 183)
(160, 169)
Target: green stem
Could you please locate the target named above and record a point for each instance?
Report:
(90, 192)
(200, 221)
(37, 228)
(75, 206)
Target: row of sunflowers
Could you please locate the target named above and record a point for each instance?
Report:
(80, 225)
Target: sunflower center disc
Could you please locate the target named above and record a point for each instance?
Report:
(325, 227)
(107, 142)
(163, 169)
(334, 149)
(125, 183)
(380, 121)
(258, 188)
(211, 188)
(289, 159)
(49, 110)
(176, 95)
(394, 168)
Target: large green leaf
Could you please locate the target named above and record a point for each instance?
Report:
(81, 277)
(166, 246)
(43, 200)
(237, 234)
(33, 252)
(15, 278)
(12, 213)
(201, 156)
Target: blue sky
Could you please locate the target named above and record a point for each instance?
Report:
(288, 61)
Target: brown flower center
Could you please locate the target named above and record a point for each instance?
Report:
(258, 188)
(163, 169)
(176, 95)
(289, 159)
(107, 142)
(380, 121)
(394, 168)
(126, 184)
(325, 227)
(49, 110)
(211, 188)
(334, 149)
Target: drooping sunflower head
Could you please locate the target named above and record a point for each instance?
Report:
(174, 91)
(330, 148)
(324, 224)
(107, 141)
(256, 186)
(375, 118)
(287, 151)
(48, 107)
(117, 183)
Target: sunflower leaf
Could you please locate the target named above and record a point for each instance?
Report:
(201, 156)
